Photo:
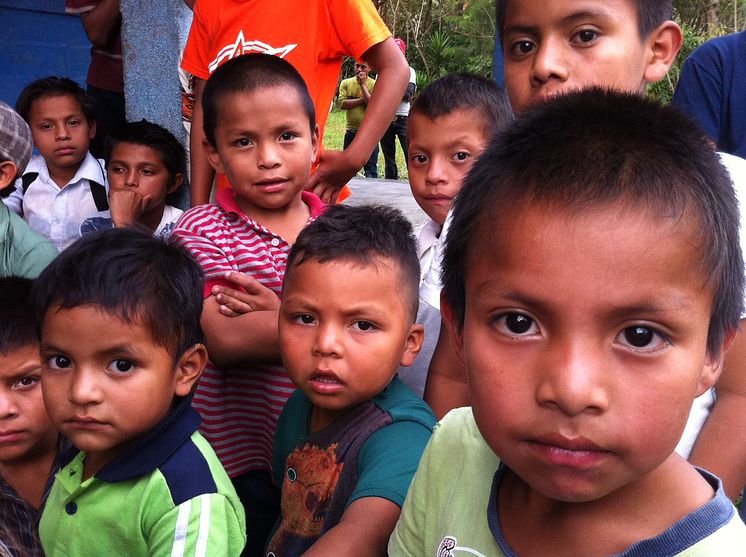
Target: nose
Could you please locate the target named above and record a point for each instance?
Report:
(436, 172)
(268, 155)
(62, 132)
(328, 341)
(549, 63)
(572, 379)
(85, 388)
(130, 178)
(8, 407)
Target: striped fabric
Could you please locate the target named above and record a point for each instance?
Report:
(239, 407)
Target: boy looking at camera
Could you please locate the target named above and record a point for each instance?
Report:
(350, 438)
(141, 477)
(261, 133)
(578, 401)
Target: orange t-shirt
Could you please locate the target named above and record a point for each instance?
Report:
(313, 35)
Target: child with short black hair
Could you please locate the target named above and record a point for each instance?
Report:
(64, 184)
(598, 304)
(350, 438)
(260, 128)
(141, 475)
(29, 442)
(23, 251)
(450, 123)
(145, 164)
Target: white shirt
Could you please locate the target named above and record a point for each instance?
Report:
(57, 213)
(427, 241)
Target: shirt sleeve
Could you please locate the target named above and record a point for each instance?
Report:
(205, 525)
(388, 461)
(195, 60)
(75, 7)
(357, 25)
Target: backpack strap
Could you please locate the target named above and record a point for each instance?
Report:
(100, 198)
(28, 179)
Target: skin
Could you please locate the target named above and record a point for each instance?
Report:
(61, 134)
(104, 392)
(138, 185)
(8, 172)
(265, 145)
(102, 22)
(342, 337)
(554, 47)
(585, 398)
(441, 151)
(334, 168)
(28, 440)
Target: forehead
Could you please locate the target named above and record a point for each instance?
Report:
(527, 14)
(52, 104)
(266, 103)
(447, 128)
(135, 152)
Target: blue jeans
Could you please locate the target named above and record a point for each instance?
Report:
(397, 128)
(371, 167)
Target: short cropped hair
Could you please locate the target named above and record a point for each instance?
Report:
(361, 235)
(132, 275)
(245, 74)
(650, 14)
(465, 91)
(54, 87)
(17, 318)
(599, 147)
(151, 135)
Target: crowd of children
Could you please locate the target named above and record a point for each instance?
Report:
(247, 378)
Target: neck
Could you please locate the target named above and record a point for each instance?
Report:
(61, 176)
(29, 476)
(152, 218)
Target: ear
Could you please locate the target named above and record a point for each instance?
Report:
(413, 344)
(213, 156)
(663, 44)
(176, 182)
(713, 366)
(314, 144)
(455, 330)
(189, 369)
(8, 171)
(92, 129)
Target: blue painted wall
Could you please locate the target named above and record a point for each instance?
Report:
(37, 39)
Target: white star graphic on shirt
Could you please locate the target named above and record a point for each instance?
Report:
(242, 46)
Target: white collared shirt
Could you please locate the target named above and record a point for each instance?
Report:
(57, 213)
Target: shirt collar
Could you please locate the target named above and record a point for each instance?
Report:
(153, 448)
(226, 199)
(91, 169)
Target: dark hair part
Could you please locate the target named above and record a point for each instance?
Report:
(128, 273)
(650, 14)
(158, 138)
(596, 148)
(246, 74)
(53, 87)
(17, 319)
(362, 235)
(465, 91)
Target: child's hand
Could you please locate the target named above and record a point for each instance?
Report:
(249, 295)
(126, 206)
(331, 175)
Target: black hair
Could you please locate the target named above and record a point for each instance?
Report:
(54, 87)
(464, 91)
(128, 273)
(17, 318)
(361, 235)
(598, 147)
(650, 14)
(171, 151)
(245, 74)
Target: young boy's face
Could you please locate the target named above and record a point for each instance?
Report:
(105, 381)
(344, 330)
(140, 167)
(60, 130)
(562, 45)
(264, 144)
(585, 344)
(440, 153)
(26, 431)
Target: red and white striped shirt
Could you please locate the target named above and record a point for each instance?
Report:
(239, 407)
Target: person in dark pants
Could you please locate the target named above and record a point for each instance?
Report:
(398, 127)
(354, 94)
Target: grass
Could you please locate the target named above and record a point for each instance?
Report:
(334, 138)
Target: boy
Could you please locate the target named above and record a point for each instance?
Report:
(23, 252)
(560, 46)
(141, 477)
(579, 401)
(354, 96)
(313, 36)
(450, 123)
(29, 443)
(64, 184)
(145, 163)
(349, 440)
(261, 132)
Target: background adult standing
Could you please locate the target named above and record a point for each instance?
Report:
(398, 126)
